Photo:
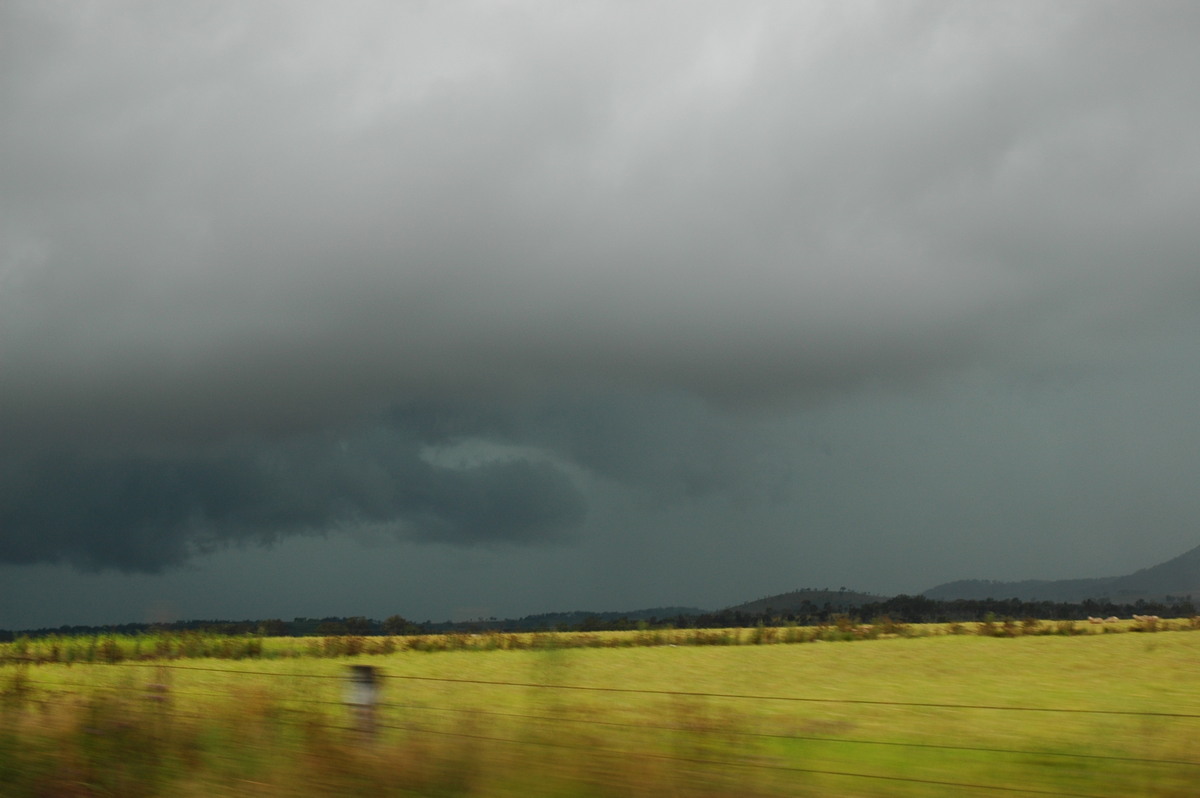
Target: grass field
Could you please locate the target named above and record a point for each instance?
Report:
(924, 715)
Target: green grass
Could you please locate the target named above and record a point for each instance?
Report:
(819, 709)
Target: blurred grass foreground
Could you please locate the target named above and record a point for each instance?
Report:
(916, 711)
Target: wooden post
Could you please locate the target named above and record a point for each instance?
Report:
(362, 695)
(158, 695)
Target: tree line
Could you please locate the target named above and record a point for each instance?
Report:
(899, 609)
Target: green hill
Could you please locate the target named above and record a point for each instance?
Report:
(807, 600)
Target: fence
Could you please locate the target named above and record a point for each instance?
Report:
(726, 743)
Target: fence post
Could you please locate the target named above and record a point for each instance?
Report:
(158, 696)
(362, 694)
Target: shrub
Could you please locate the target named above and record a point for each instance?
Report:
(763, 635)
(110, 651)
(381, 645)
(15, 693)
(885, 625)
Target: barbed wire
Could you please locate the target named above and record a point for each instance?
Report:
(171, 691)
(683, 693)
(804, 699)
(651, 727)
(798, 737)
(691, 760)
(744, 764)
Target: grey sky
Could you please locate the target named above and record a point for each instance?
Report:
(611, 304)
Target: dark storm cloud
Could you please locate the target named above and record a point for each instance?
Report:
(142, 513)
(229, 234)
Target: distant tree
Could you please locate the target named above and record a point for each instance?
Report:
(273, 627)
(397, 625)
(358, 625)
(594, 623)
(332, 629)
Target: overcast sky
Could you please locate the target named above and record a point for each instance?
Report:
(470, 309)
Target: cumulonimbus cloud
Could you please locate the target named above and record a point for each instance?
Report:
(145, 513)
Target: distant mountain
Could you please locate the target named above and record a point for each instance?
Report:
(1179, 577)
(550, 620)
(806, 601)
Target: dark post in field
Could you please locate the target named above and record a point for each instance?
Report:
(362, 694)
(158, 696)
